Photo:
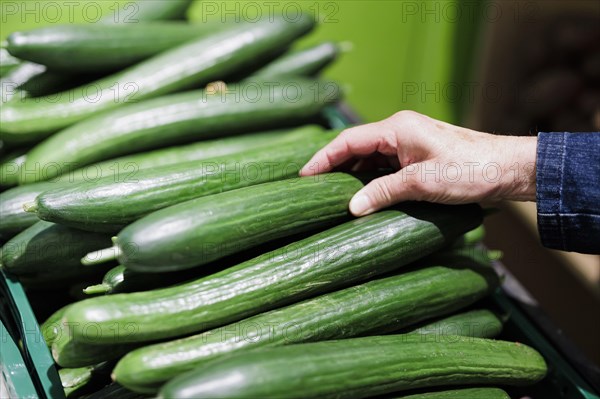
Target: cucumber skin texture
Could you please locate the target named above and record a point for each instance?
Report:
(174, 119)
(360, 367)
(380, 305)
(202, 230)
(345, 254)
(97, 48)
(467, 393)
(145, 11)
(306, 62)
(109, 205)
(49, 247)
(191, 64)
(13, 216)
(480, 323)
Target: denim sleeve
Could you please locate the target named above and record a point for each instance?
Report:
(568, 191)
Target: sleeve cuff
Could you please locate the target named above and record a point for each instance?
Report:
(549, 182)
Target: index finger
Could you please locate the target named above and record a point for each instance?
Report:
(356, 141)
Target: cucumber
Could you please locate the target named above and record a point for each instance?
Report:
(305, 62)
(145, 11)
(51, 327)
(466, 393)
(96, 48)
(28, 80)
(191, 64)
(360, 367)
(7, 62)
(48, 247)
(337, 257)
(205, 149)
(73, 354)
(380, 305)
(202, 230)
(13, 216)
(9, 167)
(10, 83)
(474, 323)
(174, 119)
(109, 204)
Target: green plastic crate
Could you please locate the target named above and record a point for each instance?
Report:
(34, 357)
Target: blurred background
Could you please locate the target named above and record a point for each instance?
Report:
(514, 67)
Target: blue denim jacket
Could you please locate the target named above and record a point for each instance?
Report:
(568, 191)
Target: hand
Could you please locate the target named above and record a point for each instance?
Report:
(436, 162)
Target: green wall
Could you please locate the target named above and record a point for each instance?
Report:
(401, 54)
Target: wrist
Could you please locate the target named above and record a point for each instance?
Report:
(519, 177)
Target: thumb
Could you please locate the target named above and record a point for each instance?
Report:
(386, 191)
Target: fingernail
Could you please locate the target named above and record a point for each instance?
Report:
(360, 205)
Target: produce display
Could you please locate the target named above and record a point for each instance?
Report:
(184, 256)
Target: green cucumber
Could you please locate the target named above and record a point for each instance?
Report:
(466, 393)
(191, 64)
(11, 84)
(13, 217)
(360, 367)
(73, 354)
(9, 167)
(145, 11)
(474, 323)
(51, 327)
(305, 62)
(98, 48)
(7, 62)
(177, 118)
(334, 258)
(202, 230)
(109, 204)
(129, 164)
(380, 305)
(48, 247)
(28, 80)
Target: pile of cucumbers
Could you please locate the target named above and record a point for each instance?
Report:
(150, 188)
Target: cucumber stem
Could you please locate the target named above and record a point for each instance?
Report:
(96, 289)
(101, 256)
(30, 207)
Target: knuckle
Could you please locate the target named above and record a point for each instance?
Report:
(383, 191)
